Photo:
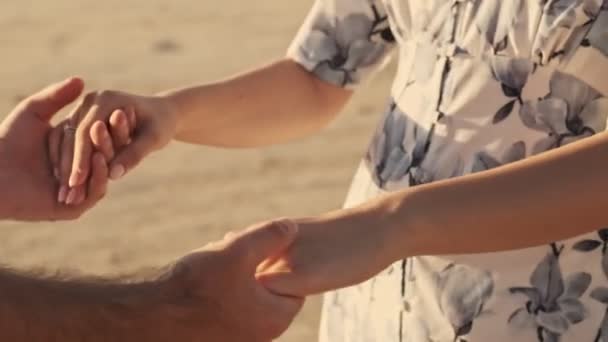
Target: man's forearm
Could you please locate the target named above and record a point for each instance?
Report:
(273, 104)
(35, 308)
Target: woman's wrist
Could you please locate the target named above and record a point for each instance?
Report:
(405, 222)
(172, 109)
(376, 222)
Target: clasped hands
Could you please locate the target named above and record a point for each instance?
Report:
(108, 134)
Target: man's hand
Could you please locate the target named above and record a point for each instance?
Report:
(223, 276)
(29, 189)
(210, 295)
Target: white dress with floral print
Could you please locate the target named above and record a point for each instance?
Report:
(480, 83)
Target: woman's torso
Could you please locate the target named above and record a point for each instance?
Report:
(482, 83)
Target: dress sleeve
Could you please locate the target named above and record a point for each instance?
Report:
(344, 41)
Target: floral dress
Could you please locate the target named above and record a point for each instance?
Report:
(480, 83)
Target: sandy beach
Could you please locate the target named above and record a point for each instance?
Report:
(184, 196)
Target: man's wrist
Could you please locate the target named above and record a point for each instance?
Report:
(88, 309)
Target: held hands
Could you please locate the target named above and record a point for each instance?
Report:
(220, 297)
(330, 252)
(27, 183)
(123, 127)
(256, 280)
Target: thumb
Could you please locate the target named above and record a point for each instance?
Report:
(53, 98)
(264, 241)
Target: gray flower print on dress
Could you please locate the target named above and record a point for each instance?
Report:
(399, 146)
(463, 292)
(571, 111)
(589, 245)
(553, 303)
(598, 35)
(512, 73)
(599, 293)
(565, 18)
(341, 46)
(561, 12)
(495, 19)
(484, 161)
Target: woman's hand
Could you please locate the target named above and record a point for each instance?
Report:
(330, 252)
(124, 127)
(106, 138)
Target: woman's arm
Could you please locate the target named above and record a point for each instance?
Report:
(272, 104)
(340, 44)
(553, 196)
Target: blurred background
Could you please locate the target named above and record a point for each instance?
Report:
(184, 196)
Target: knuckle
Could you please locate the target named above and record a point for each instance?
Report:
(239, 252)
(236, 250)
(90, 96)
(106, 95)
(27, 102)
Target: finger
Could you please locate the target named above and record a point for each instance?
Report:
(132, 119)
(83, 148)
(264, 241)
(75, 195)
(119, 127)
(98, 184)
(130, 156)
(53, 98)
(65, 163)
(101, 139)
(54, 147)
(68, 138)
(285, 283)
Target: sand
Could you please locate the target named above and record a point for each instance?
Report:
(184, 196)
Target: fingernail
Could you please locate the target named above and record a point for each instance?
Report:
(117, 172)
(71, 197)
(75, 179)
(63, 192)
(56, 173)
